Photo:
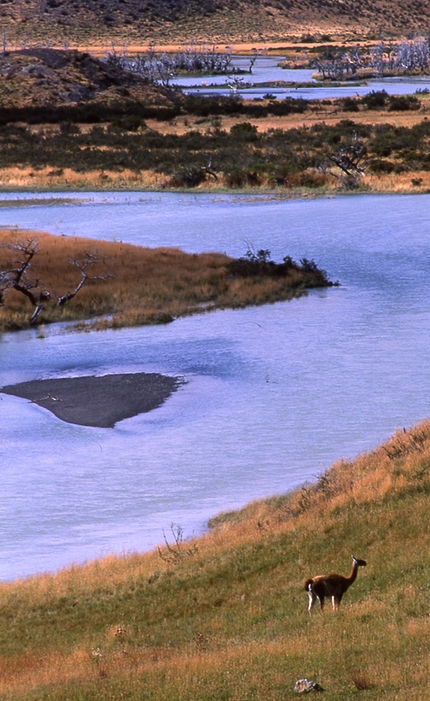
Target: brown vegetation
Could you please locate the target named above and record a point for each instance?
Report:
(129, 285)
(70, 120)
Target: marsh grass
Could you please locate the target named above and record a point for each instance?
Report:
(140, 285)
(229, 620)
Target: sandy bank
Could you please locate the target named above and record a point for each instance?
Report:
(98, 401)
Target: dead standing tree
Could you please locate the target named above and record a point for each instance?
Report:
(16, 276)
(350, 158)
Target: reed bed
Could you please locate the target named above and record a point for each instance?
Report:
(225, 616)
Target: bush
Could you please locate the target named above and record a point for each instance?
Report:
(254, 264)
(206, 106)
(349, 104)
(259, 265)
(288, 106)
(188, 177)
(403, 103)
(239, 177)
(128, 123)
(244, 131)
(375, 100)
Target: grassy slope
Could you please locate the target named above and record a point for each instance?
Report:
(216, 20)
(224, 616)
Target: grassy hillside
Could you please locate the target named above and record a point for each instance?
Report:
(225, 616)
(215, 20)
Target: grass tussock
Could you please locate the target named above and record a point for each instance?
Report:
(225, 616)
(138, 285)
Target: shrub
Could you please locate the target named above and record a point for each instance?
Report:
(188, 177)
(402, 103)
(205, 106)
(131, 122)
(245, 131)
(253, 264)
(375, 100)
(349, 104)
(288, 106)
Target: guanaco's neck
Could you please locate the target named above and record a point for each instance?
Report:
(353, 574)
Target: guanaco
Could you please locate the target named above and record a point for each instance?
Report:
(334, 585)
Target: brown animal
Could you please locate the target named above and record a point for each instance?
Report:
(334, 585)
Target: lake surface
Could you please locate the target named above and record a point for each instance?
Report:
(273, 394)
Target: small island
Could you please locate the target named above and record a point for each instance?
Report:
(101, 284)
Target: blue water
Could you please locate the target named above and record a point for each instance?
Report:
(273, 394)
(266, 68)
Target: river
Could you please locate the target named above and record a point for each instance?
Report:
(267, 69)
(273, 394)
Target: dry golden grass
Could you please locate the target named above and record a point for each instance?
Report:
(138, 285)
(44, 180)
(68, 179)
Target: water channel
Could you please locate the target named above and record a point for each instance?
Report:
(273, 394)
(267, 69)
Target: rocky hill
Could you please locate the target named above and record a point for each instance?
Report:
(166, 21)
(46, 77)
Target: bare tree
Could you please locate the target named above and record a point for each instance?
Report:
(162, 68)
(252, 60)
(350, 157)
(16, 275)
(412, 55)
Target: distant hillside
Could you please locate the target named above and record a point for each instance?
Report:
(181, 21)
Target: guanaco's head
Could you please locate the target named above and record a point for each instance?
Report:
(358, 562)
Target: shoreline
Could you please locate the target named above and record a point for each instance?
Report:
(399, 188)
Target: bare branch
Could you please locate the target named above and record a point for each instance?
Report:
(89, 259)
